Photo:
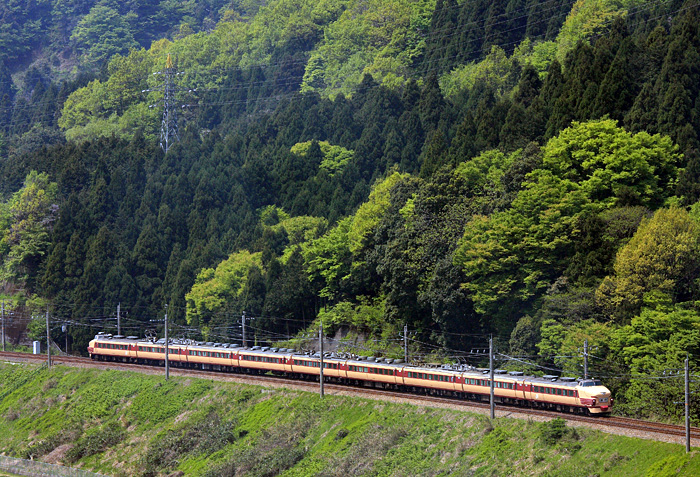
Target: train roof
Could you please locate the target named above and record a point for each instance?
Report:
(553, 380)
(119, 338)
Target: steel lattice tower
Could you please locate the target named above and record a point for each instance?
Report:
(168, 127)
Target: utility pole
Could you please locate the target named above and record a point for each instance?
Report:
(119, 323)
(243, 326)
(3, 325)
(320, 339)
(48, 338)
(167, 364)
(405, 344)
(687, 406)
(585, 359)
(491, 403)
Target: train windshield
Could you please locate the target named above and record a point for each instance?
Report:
(591, 382)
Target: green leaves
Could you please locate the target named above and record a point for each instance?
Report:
(612, 165)
(378, 37)
(101, 34)
(661, 257)
(25, 222)
(335, 158)
(512, 256)
(215, 291)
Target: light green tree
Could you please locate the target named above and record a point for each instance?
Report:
(217, 291)
(663, 257)
(511, 257)
(367, 217)
(25, 222)
(101, 34)
(328, 259)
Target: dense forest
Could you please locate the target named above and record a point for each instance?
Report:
(527, 169)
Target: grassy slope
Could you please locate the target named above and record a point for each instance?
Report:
(122, 423)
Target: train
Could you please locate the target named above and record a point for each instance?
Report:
(564, 394)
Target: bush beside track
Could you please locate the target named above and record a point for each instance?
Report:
(123, 423)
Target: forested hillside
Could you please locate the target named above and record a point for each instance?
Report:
(525, 169)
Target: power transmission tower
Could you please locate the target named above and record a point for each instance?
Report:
(169, 126)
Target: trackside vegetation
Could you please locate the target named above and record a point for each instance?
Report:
(123, 423)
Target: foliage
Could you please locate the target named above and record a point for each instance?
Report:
(365, 316)
(588, 18)
(370, 213)
(513, 256)
(335, 158)
(612, 165)
(551, 432)
(216, 291)
(95, 441)
(25, 223)
(103, 33)
(656, 342)
(660, 258)
(382, 38)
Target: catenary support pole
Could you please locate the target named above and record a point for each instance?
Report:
(405, 343)
(243, 327)
(119, 322)
(491, 402)
(687, 406)
(167, 364)
(320, 340)
(48, 339)
(3, 325)
(585, 359)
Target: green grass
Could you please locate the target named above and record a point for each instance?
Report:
(122, 423)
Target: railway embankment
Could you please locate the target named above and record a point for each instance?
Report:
(127, 423)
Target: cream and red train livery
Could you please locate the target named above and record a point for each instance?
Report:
(563, 394)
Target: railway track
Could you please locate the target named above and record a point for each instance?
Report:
(610, 422)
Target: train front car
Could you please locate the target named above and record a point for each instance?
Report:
(595, 397)
(106, 347)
